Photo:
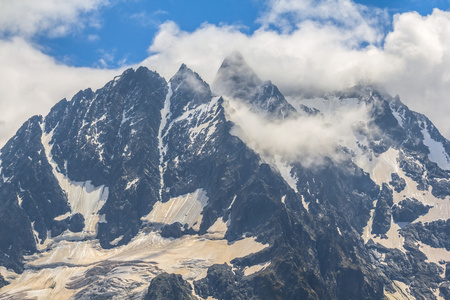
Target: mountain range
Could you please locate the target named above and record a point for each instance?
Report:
(155, 189)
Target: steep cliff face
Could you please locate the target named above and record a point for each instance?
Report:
(145, 177)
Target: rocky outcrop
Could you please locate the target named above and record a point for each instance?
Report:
(169, 286)
(397, 182)
(382, 217)
(408, 210)
(3, 282)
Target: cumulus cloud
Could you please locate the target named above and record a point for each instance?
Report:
(325, 46)
(419, 48)
(27, 17)
(33, 82)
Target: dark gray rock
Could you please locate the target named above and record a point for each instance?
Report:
(222, 283)
(408, 210)
(3, 282)
(436, 233)
(76, 223)
(441, 188)
(444, 290)
(172, 230)
(169, 286)
(397, 182)
(382, 218)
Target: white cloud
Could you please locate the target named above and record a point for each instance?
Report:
(322, 52)
(308, 139)
(363, 22)
(419, 48)
(33, 82)
(54, 17)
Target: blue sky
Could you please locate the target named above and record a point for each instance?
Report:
(128, 27)
(125, 29)
(50, 49)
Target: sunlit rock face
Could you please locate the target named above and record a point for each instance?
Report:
(154, 189)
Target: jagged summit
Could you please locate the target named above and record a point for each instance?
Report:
(237, 80)
(189, 91)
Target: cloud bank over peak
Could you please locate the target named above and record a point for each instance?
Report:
(324, 46)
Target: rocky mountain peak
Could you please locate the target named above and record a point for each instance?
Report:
(235, 79)
(188, 91)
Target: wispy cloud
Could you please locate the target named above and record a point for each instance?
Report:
(93, 37)
(308, 139)
(149, 19)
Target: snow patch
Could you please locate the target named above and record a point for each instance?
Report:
(116, 240)
(285, 170)
(399, 117)
(124, 118)
(381, 168)
(165, 114)
(232, 202)
(8, 274)
(434, 254)
(83, 197)
(5, 179)
(394, 239)
(256, 268)
(401, 291)
(218, 229)
(185, 209)
(366, 236)
(132, 184)
(305, 205)
(437, 151)
(48, 273)
(62, 217)
(19, 200)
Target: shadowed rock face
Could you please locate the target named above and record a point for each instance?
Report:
(382, 218)
(3, 282)
(397, 182)
(148, 143)
(408, 210)
(169, 286)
